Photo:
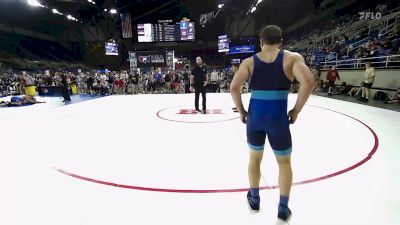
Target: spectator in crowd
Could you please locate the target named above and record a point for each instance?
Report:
(158, 80)
(318, 85)
(342, 89)
(103, 86)
(119, 86)
(214, 76)
(369, 77)
(381, 8)
(151, 83)
(295, 85)
(394, 98)
(331, 77)
(356, 91)
(81, 83)
(89, 83)
(167, 79)
(316, 73)
(176, 84)
(136, 81)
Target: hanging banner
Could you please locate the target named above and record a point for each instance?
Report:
(151, 59)
(170, 60)
(133, 61)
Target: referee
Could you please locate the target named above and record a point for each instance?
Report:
(198, 82)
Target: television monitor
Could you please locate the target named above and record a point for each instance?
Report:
(111, 48)
(223, 43)
(235, 61)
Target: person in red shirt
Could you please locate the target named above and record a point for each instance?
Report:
(119, 85)
(331, 77)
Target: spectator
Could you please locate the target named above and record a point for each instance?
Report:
(342, 89)
(118, 86)
(89, 83)
(369, 77)
(176, 84)
(151, 86)
(103, 87)
(331, 77)
(394, 98)
(356, 91)
(168, 81)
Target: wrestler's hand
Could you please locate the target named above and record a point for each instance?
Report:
(292, 116)
(243, 117)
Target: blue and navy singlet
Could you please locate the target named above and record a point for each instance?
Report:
(267, 114)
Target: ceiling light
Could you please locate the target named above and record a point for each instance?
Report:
(220, 6)
(55, 11)
(34, 3)
(71, 18)
(259, 1)
(105, 10)
(113, 11)
(253, 9)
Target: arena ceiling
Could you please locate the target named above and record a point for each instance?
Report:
(280, 12)
(269, 11)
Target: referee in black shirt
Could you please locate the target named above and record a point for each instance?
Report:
(64, 87)
(198, 82)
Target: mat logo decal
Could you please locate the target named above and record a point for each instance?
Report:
(192, 111)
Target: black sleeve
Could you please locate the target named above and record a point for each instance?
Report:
(191, 72)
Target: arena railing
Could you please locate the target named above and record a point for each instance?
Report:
(390, 61)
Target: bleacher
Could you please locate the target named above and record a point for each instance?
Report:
(347, 42)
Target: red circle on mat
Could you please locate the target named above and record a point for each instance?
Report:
(352, 167)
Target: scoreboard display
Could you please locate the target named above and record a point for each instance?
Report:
(223, 43)
(166, 32)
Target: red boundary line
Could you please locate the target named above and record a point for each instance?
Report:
(367, 158)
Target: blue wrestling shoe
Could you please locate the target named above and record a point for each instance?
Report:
(255, 207)
(284, 213)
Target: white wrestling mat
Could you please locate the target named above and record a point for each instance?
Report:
(151, 159)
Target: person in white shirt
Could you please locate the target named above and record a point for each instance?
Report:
(214, 76)
(103, 77)
(369, 77)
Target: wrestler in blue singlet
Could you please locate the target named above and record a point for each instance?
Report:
(16, 99)
(268, 107)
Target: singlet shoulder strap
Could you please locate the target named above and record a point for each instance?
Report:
(256, 59)
(280, 54)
